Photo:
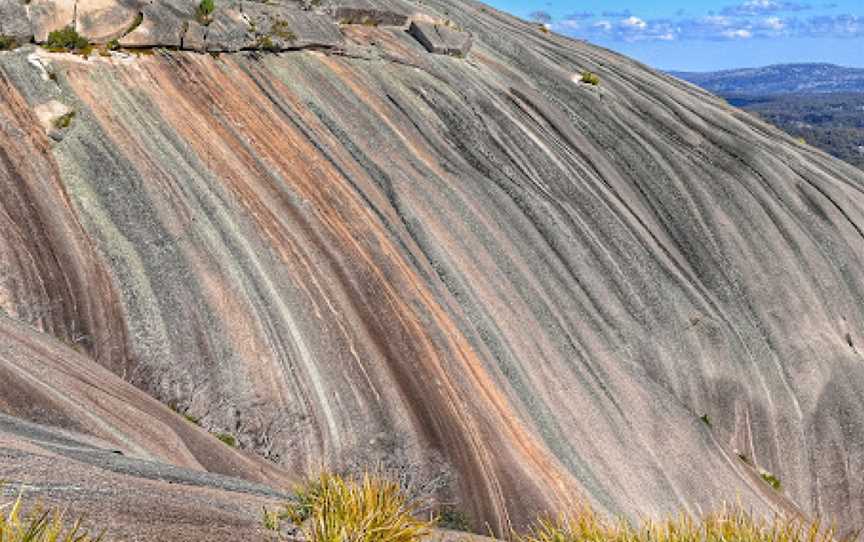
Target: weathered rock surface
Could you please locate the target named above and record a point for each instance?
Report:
(479, 269)
(195, 38)
(441, 39)
(133, 499)
(14, 22)
(163, 25)
(283, 27)
(370, 12)
(104, 20)
(49, 15)
(229, 31)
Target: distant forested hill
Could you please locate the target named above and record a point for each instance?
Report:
(821, 103)
(779, 79)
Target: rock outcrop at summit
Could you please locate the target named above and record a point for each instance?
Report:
(480, 271)
(233, 26)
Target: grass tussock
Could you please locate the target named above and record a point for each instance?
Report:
(7, 43)
(731, 524)
(228, 439)
(38, 526)
(335, 509)
(590, 78)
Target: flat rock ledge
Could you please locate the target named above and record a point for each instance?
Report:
(441, 39)
(233, 26)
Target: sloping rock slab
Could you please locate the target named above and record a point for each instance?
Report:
(282, 27)
(14, 22)
(371, 12)
(164, 24)
(441, 39)
(229, 32)
(49, 15)
(196, 37)
(104, 20)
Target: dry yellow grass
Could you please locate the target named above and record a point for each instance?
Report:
(38, 526)
(730, 524)
(335, 509)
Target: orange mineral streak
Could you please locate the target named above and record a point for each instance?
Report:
(221, 112)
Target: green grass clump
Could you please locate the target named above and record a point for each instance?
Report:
(38, 526)
(7, 43)
(281, 30)
(335, 509)
(590, 78)
(227, 439)
(62, 122)
(205, 10)
(66, 39)
(265, 43)
(454, 519)
(732, 524)
(192, 419)
(771, 480)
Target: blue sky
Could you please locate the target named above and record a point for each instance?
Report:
(703, 35)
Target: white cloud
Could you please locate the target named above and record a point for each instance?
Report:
(774, 23)
(603, 25)
(741, 33)
(634, 22)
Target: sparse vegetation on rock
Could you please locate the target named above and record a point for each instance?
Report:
(730, 524)
(205, 11)
(7, 43)
(280, 29)
(230, 440)
(38, 525)
(64, 121)
(771, 480)
(67, 39)
(454, 519)
(335, 509)
(590, 78)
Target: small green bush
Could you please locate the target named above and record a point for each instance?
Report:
(64, 121)
(454, 519)
(227, 439)
(38, 526)
(590, 78)
(66, 39)
(266, 43)
(7, 43)
(771, 480)
(205, 10)
(281, 30)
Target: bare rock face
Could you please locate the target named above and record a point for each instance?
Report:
(229, 31)
(441, 39)
(283, 27)
(534, 289)
(14, 22)
(370, 12)
(104, 20)
(49, 15)
(163, 25)
(195, 38)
